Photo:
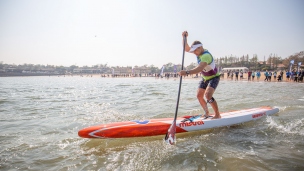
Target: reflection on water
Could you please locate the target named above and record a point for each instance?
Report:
(40, 118)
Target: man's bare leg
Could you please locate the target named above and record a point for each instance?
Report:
(200, 96)
(208, 94)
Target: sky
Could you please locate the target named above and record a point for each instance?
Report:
(145, 32)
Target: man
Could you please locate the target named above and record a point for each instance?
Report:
(249, 75)
(211, 76)
(269, 75)
(301, 75)
(236, 75)
(253, 75)
(266, 75)
(281, 73)
(275, 75)
(258, 74)
(288, 75)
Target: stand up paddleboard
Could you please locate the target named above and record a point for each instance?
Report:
(137, 128)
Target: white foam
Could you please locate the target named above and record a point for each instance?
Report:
(292, 127)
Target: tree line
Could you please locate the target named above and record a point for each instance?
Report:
(271, 63)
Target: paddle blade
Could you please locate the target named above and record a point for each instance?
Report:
(170, 136)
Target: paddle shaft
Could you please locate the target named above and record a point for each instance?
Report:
(170, 136)
(180, 80)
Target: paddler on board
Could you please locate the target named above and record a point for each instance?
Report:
(211, 76)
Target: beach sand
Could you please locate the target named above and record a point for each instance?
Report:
(245, 77)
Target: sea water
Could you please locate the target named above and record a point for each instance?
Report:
(40, 118)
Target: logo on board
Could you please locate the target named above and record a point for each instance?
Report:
(186, 124)
(258, 115)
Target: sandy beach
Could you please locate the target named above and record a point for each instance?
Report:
(245, 77)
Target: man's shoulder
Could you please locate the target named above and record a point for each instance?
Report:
(205, 57)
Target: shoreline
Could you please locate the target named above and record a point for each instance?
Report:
(245, 77)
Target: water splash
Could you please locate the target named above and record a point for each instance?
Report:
(291, 127)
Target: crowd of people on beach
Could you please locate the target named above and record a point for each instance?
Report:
(236, 75)
(294, 75)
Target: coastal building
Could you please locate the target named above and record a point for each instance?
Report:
(86, 71)
(244, 69)
(141, 70)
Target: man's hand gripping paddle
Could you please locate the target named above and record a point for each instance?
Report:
(170, 136)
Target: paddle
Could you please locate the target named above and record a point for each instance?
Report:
(170, 136)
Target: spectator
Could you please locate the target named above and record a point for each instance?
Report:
(292, 75)
(282, 74)
(249, 75)
(236, 75)
(295, 75)
(269, 75)
(258, 74)
(280, 78)
(288, 75)
(301, 75)
(253, 75)
(275, 75)
(266, 75)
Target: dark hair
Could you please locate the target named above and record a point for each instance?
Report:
(196, 42)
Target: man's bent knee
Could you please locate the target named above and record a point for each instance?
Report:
(209, 93)
(208, 96)
(200, 94)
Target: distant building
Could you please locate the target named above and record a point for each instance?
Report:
(281, 67)
(86, 71)
(141, 70)
(244, 69)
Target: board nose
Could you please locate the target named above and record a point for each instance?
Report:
(85, 133)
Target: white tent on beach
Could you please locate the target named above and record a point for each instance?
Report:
(244, 69)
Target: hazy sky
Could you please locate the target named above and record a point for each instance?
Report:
(139, 32)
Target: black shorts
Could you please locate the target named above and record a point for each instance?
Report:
(211, 83)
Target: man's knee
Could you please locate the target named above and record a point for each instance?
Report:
(200, 95)
(211, 100)
(208, 96)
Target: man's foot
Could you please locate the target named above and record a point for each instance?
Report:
(216, 117)
(207, 116)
